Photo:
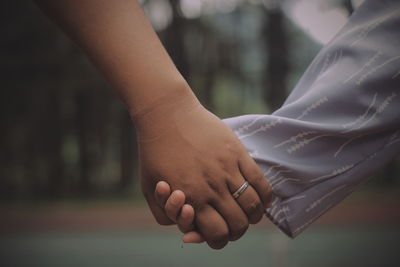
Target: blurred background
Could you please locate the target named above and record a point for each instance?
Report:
(69, 193)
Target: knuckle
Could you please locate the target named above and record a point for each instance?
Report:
(236, 148)
(243, 227)
(220, 237)
(224, 161)
(268, 194)
(199, 202)
(256, 214)
(217, 245)
(239, 231)
(227, 165)
(215, 188)
(255, 218)
(257, 177)
(254, 206)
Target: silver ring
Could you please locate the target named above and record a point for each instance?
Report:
(240, 190)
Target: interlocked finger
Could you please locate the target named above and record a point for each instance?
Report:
(186, 218)
(174, 204)
(247, 199)
(253, 174)
(162, 193)
(234, 216)
(212, 227)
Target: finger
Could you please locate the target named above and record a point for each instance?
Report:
(233, 215)
(162, 192)
(158, 213)
(248, 200)
(192, 237)
(212, 227)
(253, 174)
(186, 218)
(174, 204)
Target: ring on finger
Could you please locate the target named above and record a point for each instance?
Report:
(240, 190)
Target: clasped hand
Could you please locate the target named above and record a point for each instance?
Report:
(202, 163)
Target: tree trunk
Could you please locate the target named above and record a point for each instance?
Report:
(174, 40)
(83, 129)
(277, 62)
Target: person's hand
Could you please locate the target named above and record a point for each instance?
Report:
(195, 152)
(175, 207)
(179, 212)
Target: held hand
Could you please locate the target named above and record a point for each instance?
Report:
(195, 152)
(175, 207)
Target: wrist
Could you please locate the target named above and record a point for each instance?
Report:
(158, 115)
(155, 96)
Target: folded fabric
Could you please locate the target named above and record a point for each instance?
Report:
(340, 124)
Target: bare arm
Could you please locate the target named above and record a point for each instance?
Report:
(179, 141)
(119, 40)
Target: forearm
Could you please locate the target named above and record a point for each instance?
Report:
(120, 41)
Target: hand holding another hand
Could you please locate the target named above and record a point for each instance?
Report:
(196, 153)
(180, 142)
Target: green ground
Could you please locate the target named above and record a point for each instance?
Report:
(319, 246)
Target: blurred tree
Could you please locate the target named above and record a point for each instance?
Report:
(65, 134)
(57, 114)
(174, 40)
(276, 45)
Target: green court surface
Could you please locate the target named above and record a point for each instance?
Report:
(324, 246)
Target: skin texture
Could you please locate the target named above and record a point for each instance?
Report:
(180, 142)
